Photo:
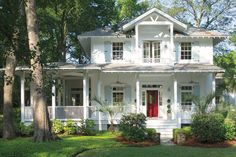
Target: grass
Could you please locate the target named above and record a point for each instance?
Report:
(102, 145)
(68, 146)
(161, 151)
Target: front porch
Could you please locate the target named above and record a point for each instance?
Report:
(147, 93)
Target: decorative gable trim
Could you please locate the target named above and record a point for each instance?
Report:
(131, 24)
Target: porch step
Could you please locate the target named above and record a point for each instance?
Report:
(165, 127)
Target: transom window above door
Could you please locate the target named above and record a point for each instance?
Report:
(151, 52)
(186, 50)
(117, 51)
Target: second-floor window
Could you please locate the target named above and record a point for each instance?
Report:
(186, 50)
(151, 52)
(117, 51)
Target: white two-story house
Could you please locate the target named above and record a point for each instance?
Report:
(149, 65)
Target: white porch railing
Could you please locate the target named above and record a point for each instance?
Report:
(186, 113)
(76, 112)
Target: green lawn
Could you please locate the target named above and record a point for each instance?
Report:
(68, 146)
(162, 151)
(103, 145)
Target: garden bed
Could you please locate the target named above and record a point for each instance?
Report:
(193, 143)
(145, 143)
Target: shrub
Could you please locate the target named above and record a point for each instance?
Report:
(70, 127)
(1, 127)
(232, 115)
(133, 127)
(229, 127)
(87, 127)
(186, 131)
(26, 130)
(57, 126)
(150, 133)
(208, 128)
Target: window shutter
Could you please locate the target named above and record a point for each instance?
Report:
(107, 51)
(195, 51)
(108, 94)
(127, 94)
(179, 94)
(177, 51)
(196, 90)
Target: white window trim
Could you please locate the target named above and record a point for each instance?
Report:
(159, 58)
(123, 56)
(119, 91)
(186, 60)
(186, 91)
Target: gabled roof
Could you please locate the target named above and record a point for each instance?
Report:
(132, 23)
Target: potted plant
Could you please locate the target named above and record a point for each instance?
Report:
(168, 109)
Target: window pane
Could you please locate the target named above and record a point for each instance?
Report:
(117, 50)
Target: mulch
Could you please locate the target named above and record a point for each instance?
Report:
(146, 143)
(193, 143)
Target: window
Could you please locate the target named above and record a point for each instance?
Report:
(151, 52)
(118, 94)
(186, 92)
(117, 50)
(186, 51)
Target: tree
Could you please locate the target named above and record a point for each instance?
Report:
(10, 36)
(61, 21)
(42, 129)
(202, 104)
(128, 9)
(227, 62)
(210, 14)
(110, 110)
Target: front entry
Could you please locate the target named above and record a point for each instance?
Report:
(152, 103)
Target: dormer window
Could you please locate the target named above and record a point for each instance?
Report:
(186, 50)
(117, 50)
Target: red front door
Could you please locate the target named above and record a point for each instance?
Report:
(152, 103)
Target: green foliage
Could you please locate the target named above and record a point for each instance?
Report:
(133, 127)
(1, 126)
(227, 62)
(150, 133)
(70, 127)
(208, 128)
(232, 115)
(229, 126)
(57, 126)
(26, 130)
(187, 131)
(111, 110)
(202, 104)
(87, 127)
(128, 9)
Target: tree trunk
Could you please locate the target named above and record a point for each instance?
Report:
(42, 129)
(8, 128)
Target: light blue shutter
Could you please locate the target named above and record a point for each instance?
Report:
(195, 51)
(127, 94)
(196, 90)
(107, 51)
(179, 94)
(127, 50)
(177, 51)
(108, 94)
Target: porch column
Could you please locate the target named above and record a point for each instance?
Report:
(176, 102)
(213, 89)
(59, 94)
(171, 39)
(85, 94)
(53, 100)
(22, 95)
(137, 93)
(99, 97)
(64, 92)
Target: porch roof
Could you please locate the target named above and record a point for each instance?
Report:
(160, 68)
(131, 68)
